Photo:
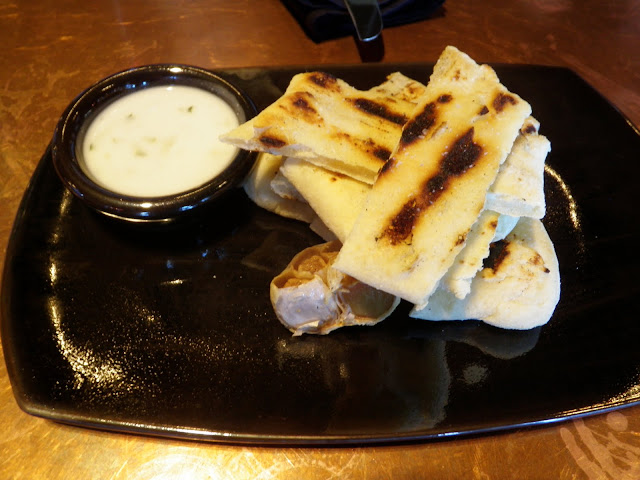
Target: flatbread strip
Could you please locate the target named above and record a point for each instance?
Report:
(258, 188)
(519, 187)
(336, 198)
(518, 288)
(469, 261)
(518, 190)
(322, 119)
(430, 193)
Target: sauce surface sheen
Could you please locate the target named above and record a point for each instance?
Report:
(159, 141)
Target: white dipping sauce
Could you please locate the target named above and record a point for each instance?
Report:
(159, 141)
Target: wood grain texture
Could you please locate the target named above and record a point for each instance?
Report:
(53, 50)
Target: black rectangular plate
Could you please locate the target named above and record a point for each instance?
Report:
(170, 331)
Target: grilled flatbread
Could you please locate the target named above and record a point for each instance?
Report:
(458, 278)
(319, 227)
(336, 198)
(283, 187)
(518, 288)
(325, 121)
(490, 227)
(257, 185)
(430, 193)
(518, 190)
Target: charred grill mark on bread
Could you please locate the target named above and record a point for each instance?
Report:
(301, 105)
(386, 167)
(498, 253)
(325, 80)
(459, 158)
(418, 126)
(271, 141)
(382, 153)
(529, 128)
(401, 226)
(502, 100)
(379, 110)
(369, 146)
(300, 102)
(463, 155)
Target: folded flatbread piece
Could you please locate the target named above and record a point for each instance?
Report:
(430, 193)
(258, 187)
(324, 120)
(518, 288)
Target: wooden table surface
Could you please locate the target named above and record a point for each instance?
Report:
(50, 51)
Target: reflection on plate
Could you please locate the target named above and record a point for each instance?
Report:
(169, 330)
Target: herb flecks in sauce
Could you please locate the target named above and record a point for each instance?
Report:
(158, 141)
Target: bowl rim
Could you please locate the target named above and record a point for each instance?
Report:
(75, 119)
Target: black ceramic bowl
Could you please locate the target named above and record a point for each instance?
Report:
(69, 134)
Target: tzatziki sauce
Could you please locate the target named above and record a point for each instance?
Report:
(159, 141)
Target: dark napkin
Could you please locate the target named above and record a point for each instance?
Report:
(328, 19)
